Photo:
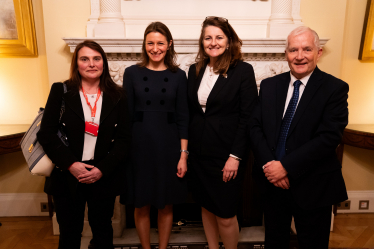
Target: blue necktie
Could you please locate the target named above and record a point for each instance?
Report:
(286, 122)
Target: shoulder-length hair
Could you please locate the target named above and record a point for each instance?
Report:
(106, 85)
(231, 55)
(170, 57)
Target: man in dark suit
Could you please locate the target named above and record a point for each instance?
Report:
(295, 128)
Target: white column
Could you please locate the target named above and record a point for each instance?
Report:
(110, 22)
(281, 21)
(281, 11)
(94, 18)
(296, 11)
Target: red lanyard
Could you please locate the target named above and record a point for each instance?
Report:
(93, 110)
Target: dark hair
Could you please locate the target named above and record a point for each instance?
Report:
(230, 57)
(106, 85)
(170, 57)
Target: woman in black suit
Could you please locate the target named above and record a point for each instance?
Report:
(89, 169)
(222, 91)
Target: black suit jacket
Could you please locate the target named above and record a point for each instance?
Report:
(222, 129)
(315, 132)
(112, 144)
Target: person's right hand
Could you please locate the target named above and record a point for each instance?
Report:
(78, 168)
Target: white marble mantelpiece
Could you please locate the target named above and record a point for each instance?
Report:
(182, 46)
(118, 26)
(266, 55)
(263, 26)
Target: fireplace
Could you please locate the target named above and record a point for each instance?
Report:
(263, 25)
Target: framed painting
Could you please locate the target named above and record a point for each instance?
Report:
(367, 40)
(17, 30)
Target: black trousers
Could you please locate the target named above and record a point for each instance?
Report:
(312, 226)
(70, 217)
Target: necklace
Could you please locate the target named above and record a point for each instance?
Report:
(210, 72)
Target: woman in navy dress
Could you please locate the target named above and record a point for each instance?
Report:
(157, 94)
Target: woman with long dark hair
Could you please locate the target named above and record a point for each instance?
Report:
(222, 92)
(90, 169)
(157, 95)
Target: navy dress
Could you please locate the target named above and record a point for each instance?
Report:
(159, 110)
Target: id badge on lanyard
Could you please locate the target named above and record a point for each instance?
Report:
(91, 127)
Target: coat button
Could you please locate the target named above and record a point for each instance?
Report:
(63, 124)
(162, 102)
(112, 140)
(163, 90)
(115, 125)
(146, 89)
(148, 102)
(145, 78)
(166, 79)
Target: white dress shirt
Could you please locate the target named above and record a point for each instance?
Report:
(304, 81)
(89, 140)
(206, 85)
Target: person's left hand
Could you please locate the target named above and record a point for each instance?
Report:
(283, 183)
(91, 176)
(182, 167)
(274, 171)
(231, 169)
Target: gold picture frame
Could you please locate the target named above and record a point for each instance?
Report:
(25, 44)
(367, 40)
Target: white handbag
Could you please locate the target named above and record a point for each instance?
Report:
(38, 162)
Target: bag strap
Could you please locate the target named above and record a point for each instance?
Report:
(63, 102)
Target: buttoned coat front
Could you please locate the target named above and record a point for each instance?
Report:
(159, 110)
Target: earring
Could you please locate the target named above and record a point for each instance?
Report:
(227, 48)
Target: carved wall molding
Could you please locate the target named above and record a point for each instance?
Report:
(246, 56)
(264, 68)
(123, 45)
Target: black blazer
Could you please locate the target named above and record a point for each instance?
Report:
(222, 129)
(315, 132)
(112, 144)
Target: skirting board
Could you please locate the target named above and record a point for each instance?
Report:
(355, 197)
(28, 204)
(22, 204)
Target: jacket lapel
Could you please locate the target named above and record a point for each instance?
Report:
(220, 83)
(282, 90)
(107, 106)
(73, 100)
(311, 88)
(196, 88)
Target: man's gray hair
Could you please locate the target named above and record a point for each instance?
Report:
(301, 30)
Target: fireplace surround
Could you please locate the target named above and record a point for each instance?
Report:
(263, 25)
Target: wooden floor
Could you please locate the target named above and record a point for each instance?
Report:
(353, 231)
(350, 231)
(27, 233)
